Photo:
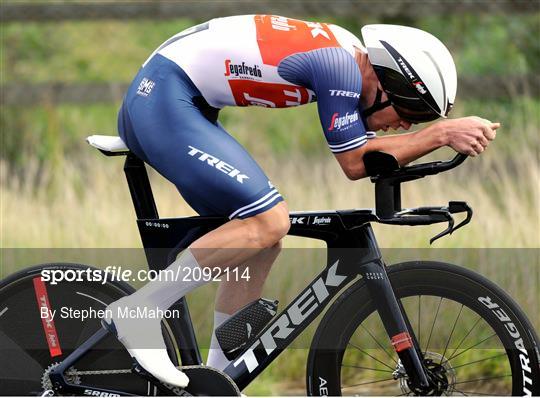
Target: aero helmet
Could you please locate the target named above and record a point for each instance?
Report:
(415, 70)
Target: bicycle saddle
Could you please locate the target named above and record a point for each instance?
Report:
(107, 143)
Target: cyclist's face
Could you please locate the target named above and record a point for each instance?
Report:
(387, 118)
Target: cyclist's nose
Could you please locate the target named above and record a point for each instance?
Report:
(405, 125)
(396, 125)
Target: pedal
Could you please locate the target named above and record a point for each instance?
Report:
(242, 328)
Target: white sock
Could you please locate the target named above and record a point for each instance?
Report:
(142, 336)
(180, 281)
(216, 358)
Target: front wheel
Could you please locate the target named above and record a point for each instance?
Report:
(474, 338)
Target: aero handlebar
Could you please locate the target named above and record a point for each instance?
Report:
(435, 167)
(381, 165)
(385, 172)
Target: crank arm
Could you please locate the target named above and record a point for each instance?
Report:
(164, 388)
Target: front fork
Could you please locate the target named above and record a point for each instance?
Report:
(395, 322)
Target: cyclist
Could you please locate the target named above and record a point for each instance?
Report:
(399, 77)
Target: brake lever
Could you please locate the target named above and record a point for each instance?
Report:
(460, 207)
(448, 230)
(454, 207)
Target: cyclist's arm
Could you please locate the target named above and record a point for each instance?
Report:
(470, 135)
(405, 147)
(335, 79)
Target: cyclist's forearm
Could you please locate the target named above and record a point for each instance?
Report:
(410, 146)
(405, 147)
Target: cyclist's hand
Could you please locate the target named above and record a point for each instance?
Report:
(470, 135)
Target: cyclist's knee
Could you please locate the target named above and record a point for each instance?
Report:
(272, 252)
(279, 244)
(270, 227)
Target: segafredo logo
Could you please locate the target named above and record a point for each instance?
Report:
(321, 220)
(339, 123)
(289, 321)
(241, 69)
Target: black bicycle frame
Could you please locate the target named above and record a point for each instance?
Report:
(352, 252)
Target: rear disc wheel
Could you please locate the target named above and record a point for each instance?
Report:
(30, 348)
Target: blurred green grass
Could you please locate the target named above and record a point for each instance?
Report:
(92, 51)
(112, 51)
(51, 135)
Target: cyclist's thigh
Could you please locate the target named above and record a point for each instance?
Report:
(213, 172)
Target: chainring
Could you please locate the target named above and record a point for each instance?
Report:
(203, 380)
(207, 381)
(71, 376)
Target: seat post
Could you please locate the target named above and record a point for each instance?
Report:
(139, 187)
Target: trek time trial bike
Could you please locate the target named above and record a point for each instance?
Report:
(414, 328)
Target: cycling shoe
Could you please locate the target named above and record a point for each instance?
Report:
(137, 334)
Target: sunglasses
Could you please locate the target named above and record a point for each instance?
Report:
(404, 97)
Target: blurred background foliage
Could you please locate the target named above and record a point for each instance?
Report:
(103, 51)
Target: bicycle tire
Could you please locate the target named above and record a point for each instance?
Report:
(331, 348)
(25, 352)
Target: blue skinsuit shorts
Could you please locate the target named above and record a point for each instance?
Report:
(165, 121)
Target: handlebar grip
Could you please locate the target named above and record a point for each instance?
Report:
(435, 167)
(456, 161)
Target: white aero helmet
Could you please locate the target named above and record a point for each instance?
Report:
(414, 68)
